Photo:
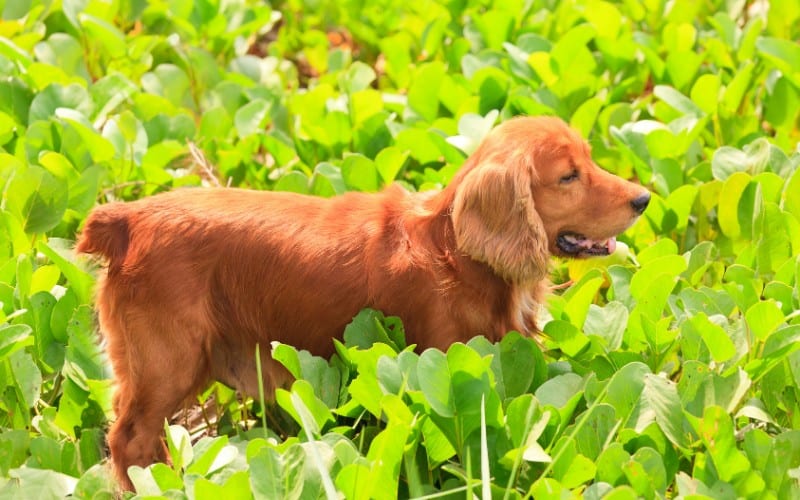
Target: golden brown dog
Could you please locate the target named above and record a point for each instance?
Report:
(197, 277)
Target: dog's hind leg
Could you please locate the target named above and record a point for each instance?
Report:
(156, 372)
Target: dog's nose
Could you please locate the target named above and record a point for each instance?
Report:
(640, 203)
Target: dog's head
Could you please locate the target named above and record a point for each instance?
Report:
(531, 190)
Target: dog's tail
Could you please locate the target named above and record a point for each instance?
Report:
(106, 233)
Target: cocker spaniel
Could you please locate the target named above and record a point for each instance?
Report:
(197, 277)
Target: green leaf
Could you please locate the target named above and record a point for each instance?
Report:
(358, 76)
(784, 54)
(677, 100)
(252, 118)
(763, 318)
(37, 483)
(646, 473)
(180, 446)
(715, 338)
(104, 35)
(27, 376)
(624, 389)
(705, 93)
(360, 173)
(210, 455)
(97, 482)
(717, 434)
(386, 454)
(423, 94)
(559, 391)
(170, 82)
(237, 485)
(317, 410)
(611, 463)
(729, 200)
(276, 475)
(660, 395)
(567, 337)
(521, 361)
(390, 162)
(753, 159)
(580, 296)
(60, 252)
(434, 380)
(327, 180)
(370, 326)
(73, 96)
(607, 323)
(13, 338)
(39, 199)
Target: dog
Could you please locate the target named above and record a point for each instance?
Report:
(195, 278)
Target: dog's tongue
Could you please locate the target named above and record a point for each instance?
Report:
(611, 244)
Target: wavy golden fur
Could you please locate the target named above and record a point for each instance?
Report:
(197, 277)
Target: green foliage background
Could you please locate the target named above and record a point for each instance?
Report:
(669, 369)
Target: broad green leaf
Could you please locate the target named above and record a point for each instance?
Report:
(357, 77)
(607, 323)
(646, 473)
(276, 475)
(624, 389)
(495, 26)
(211, 454)
(611, 462)
(705, 93)
(571, 468)
(559, 391)
(237, 485)
(61, 254)
(180, 446)
(370, 326)
(170, 82)
(294, 181)
(566, 336)
(580, 296)
(309, 403)
(390, 162)
(784, 454)
(73, 96)
(763, 318)
(715, 338)
(521, 362)
(784, 54)
(660, 396)
(28, 378)
(728, 211)
(360, 173)
(717, 434)
(104, 35)
(252, 118)
(423, 94)
(434, 380)
(598, 430)
(677, 100)
(386, 454)
(39, 199)
(736, 89)
(13, 338)
(97, 482)
(29, 482)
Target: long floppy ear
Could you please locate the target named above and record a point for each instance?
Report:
(495, 222)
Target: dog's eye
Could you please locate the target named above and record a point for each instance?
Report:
(569, 178)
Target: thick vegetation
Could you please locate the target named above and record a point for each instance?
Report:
(670, 368)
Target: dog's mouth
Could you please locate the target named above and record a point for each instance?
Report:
(577, 245)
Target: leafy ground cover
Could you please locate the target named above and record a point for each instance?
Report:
(668, 369)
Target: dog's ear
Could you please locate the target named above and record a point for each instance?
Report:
(495, 221)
